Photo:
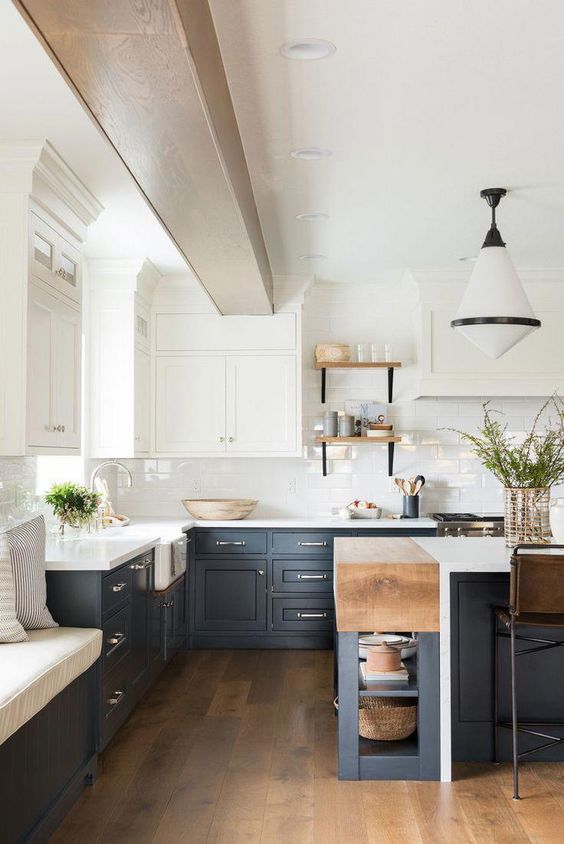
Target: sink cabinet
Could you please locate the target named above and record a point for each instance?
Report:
(142, 629)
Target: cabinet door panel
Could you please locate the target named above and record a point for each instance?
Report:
(230, 595)
(190, 404)
(40, 369)
(42, 250)
(68, 355)
(261, 403)
(142, 400)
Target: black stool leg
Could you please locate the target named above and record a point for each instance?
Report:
(514, 715)
(496, 699)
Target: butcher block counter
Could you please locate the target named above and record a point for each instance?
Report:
(387, 583)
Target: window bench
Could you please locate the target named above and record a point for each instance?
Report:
(47, 727)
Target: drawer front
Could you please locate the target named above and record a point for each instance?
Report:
(303, 614)
(318, 544)
(230, 542)
(115, 700)
(302, 576)
(116, 587)
(116, 638)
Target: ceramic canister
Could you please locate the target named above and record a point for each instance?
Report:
(383, 657)
(557, 519)
(330, 423)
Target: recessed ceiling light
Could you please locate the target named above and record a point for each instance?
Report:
(310, 153)
(470, 259)
(307, 49)
(312, 257)
(312, 216)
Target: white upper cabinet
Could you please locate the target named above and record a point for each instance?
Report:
(227, 385)
(190, 405)
(119, 343)
(261, 404)
(54, 373)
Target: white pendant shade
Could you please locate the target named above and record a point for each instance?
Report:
(495, 290)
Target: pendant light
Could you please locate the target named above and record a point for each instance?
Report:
(495, 313)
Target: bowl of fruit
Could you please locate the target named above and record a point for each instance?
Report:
(364, 509)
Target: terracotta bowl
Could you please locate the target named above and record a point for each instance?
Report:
(220, 509)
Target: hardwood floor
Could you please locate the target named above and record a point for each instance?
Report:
(240, 746)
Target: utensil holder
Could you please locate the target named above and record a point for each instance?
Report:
(411, 507)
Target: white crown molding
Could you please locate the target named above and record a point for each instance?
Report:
(137, 275)
(23, 162)
(65, 184)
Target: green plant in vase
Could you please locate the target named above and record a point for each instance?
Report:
(73, 505)
(526, 466)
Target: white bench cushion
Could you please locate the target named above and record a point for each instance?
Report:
(32, 673)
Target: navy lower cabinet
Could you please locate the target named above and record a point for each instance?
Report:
(134, 622)
(540, 677)
(254, 588)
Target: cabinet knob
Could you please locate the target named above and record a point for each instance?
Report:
(115, 698)
(115, 639)
(261, 572)
(230, 439)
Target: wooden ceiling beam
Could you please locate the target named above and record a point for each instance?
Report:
(150, 73)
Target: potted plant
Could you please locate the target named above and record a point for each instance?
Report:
(526, 466)
(73, 505)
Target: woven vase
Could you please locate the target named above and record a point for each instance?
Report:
(527, 515)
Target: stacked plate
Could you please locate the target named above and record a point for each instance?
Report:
(369, 640)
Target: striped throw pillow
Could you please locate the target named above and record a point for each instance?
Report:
(10, 628)
(27, 553)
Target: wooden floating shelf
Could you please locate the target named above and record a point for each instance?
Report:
(390, 365)
(357, 440)
(356, 364)
(389, 441)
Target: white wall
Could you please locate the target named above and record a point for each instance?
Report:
(350, 314)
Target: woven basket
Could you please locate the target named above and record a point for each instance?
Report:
(387, 718)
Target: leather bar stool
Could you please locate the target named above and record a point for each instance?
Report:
(536, 599)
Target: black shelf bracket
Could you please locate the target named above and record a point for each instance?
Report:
(390, 384)
(391, 448)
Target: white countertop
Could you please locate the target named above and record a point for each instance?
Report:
(112, 547)
(328, 523)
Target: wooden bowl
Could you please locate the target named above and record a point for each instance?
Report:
(220, 509)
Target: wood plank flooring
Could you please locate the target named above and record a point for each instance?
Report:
(234, 747)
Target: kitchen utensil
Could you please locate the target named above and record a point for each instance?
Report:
(411, 507)
(369, 640)
(398, 483)
(220, 508)
(383, 657)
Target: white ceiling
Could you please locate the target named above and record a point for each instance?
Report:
(422, 104)
(35, 102)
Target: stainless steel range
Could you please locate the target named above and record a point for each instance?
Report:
(468, 524)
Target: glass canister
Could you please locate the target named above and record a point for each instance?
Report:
(330, 423)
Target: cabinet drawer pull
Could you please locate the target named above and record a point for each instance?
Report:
(139, 566)
(312, 576)
(240, 542)
(313, 544)
(115, 698)
(312, 615)
(117, 587)
(115, 640)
